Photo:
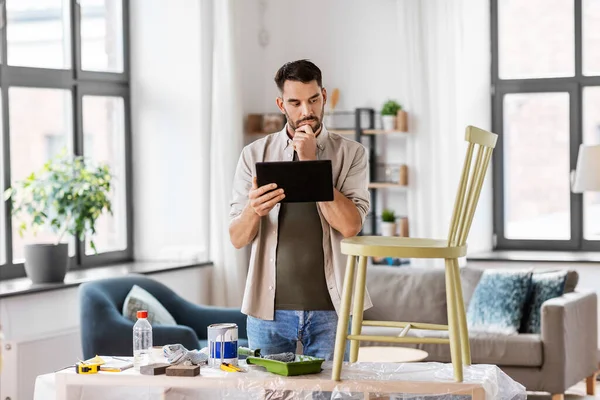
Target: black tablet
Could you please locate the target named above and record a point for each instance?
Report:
(302, 181)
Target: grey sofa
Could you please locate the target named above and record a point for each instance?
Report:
(563, 354)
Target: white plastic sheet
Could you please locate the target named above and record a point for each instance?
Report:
(427, 381)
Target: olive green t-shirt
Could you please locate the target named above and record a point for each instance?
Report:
(300, 273)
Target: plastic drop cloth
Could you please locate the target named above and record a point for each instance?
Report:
(359, 381)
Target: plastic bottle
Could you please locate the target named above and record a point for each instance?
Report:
(142, 340)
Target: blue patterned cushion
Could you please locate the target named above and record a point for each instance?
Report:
(544, 286)
(498, 301)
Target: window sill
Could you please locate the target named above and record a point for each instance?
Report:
(537, 256)
(22, 286)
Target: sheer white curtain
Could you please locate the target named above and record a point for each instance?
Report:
(222, 119)
(445, 63)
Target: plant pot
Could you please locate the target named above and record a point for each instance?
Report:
(46, 263)
(388, 229)
(388, 122)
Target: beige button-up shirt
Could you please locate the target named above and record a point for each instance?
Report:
(350, 177)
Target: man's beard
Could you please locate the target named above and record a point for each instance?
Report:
(315, 121)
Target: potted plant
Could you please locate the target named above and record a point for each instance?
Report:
(388, 114)
(66, 197)
(388, 223)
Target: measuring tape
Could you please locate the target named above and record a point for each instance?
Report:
(91, 366)
(87, 368)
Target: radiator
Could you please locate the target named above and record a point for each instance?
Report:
(23, 361)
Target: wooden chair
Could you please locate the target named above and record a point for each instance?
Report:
(450, 250)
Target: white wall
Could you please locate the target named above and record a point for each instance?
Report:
(42, 329)
(355, 43)
(477, 71)
(351, 41)
(170, 150)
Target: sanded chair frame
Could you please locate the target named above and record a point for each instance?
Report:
(481, 143)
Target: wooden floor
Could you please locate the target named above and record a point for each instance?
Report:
(577, 392)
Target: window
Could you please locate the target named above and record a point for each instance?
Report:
(546, 94)
(38, 33)
(536, 196)
(104, 141)
(65, 85)
(101, 35)
(534, 44)
(591, 37)
(591, 135)
(2, 204)
(35, 115)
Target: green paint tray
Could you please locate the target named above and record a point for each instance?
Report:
(302, 365)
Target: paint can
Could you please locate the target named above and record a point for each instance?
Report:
(222, 344)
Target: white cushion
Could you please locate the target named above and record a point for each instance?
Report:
(139, 299)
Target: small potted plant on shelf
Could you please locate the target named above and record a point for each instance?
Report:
(388, 115)
(388, 223)
(66, 196)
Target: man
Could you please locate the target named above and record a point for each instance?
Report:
(296, 269)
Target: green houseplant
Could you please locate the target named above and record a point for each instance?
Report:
(388, 223)
(388, 114)
(66, 197)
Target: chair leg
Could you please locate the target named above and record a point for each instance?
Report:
(343, 317)
(453, 328)
(465, 347)
(359, 301)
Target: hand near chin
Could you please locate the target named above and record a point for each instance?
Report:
(305, 143)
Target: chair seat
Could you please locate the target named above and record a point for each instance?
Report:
(401, 247)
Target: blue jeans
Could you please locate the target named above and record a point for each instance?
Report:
(315, 329)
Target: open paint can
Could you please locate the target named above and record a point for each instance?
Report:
(222, 344)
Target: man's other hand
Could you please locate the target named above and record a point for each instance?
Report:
(263, 199)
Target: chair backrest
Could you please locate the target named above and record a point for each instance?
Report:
(471, 181)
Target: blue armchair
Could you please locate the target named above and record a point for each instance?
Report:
(105, 331)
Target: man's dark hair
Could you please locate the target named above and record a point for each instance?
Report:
(301, 71)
